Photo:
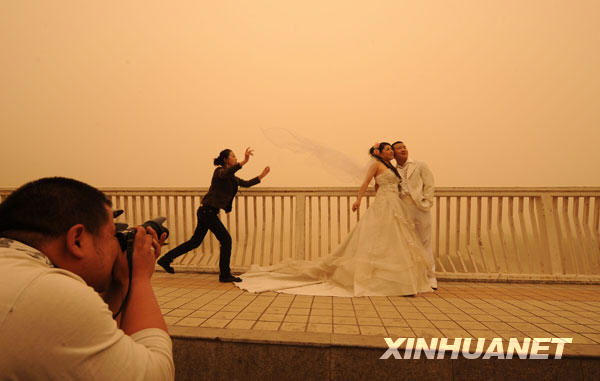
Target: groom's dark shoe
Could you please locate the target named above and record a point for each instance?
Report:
(229, 278)
(165, 263)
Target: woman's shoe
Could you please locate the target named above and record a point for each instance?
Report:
(165, 263)
(229, 278)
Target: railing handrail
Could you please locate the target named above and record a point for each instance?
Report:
(442, 191)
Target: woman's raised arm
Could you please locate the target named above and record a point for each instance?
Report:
(370, 174)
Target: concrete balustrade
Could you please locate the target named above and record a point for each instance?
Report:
(540, 234)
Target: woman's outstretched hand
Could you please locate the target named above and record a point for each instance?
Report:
(356, 205)
(249, 152)
(264, 172)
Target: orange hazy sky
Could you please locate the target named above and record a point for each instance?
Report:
(146, 93)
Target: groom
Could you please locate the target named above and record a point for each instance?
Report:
(417, 189)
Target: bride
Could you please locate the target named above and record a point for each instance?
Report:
(381, 256)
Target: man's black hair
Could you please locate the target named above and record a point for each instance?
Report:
(49, 207)
(396, 142)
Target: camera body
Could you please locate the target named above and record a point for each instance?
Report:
(126, 236)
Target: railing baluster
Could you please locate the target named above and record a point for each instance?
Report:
(581, 242)
(291, 227)
(457, 234)
(561, 240)
(254, 229)
(187, 259)
(237, 230)
(178, 232)
(436, 248)
(594, 231)
(448, 255)
(490, 237)
(594, 247)
(569, 245)
(524, 236)
(159, 212)
(272, 245)
(234, 259)
(502, 237)
(328, 224)
(597, 217)
(480, 248)
(300, 226)
(516, 252)
(173, 216)
(263, 227)
(134, 210)
(319, 253)
(339, 220)
(281, 249)
(468, 235)
(172, 225)
(539, 236)
(310, 228)
(195, 257)
(348, 214)
(457, 230)
(246, 230)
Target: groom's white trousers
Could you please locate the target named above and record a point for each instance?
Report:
(422, 220)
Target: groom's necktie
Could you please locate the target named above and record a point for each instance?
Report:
(404, 175)
(401, 180)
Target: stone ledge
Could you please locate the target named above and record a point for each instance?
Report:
(326, 340)
(220, 358)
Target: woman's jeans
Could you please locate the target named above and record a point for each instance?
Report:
(208, 219)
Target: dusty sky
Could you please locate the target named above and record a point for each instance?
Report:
(146, 93)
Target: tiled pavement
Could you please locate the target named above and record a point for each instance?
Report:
(457, 309)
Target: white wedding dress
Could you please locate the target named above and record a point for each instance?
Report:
(381, 256)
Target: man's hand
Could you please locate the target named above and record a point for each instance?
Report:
(146, 248)
(264, 172)
(142, 308)
(156, 242)
(425, 204)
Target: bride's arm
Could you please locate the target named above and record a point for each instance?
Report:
(370, 174)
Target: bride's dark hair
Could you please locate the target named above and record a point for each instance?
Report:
(380, 148)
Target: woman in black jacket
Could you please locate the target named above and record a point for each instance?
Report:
(223, 187)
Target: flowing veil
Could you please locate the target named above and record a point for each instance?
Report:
(339, 165)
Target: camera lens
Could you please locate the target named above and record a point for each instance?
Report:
(157, 225)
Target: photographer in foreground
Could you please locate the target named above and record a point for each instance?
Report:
(63, 276)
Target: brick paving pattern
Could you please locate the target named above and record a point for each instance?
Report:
(457, 309)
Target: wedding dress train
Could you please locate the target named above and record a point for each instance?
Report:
(381, 256)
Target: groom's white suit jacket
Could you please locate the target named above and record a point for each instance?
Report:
(419, 183)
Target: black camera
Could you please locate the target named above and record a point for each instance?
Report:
(126, 235)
